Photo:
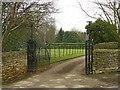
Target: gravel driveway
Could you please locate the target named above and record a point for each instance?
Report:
(66, 74)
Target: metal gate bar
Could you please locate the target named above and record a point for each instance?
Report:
(89, 57)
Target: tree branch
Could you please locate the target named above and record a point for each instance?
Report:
(105, 12)
(85, 11)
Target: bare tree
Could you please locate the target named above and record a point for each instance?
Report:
(109, 9)
(85, 11)
(16, 14)
(10, 19)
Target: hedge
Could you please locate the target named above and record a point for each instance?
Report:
(65, 45)
(106, 45)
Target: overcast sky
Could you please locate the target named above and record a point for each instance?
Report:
(71, 16)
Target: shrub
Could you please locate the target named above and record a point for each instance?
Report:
(106, 45)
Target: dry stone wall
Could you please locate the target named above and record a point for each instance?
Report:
(14, 66)
(105, 60)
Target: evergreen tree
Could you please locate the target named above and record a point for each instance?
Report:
(60, 34)
(102, 31)
(71, 37)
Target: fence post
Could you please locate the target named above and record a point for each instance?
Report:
(66, 49)
(80, 48)
(77, 48)
(50, 49)
(63, 50)
(39, 54)
(72, 49)
(59, 50)
(54, 52)
(69, 49)
(45, 52)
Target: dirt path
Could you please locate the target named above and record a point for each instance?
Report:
(68, 74)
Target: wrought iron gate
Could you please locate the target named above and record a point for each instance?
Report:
(89, 57)
(42, 55)
(37, 55)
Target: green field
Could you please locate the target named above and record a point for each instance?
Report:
(57, 55)
(64, 54)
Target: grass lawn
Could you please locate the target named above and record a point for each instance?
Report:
(57, 55)
(65, 54)
(53, 60)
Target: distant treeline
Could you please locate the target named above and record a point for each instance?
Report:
(72, 36)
